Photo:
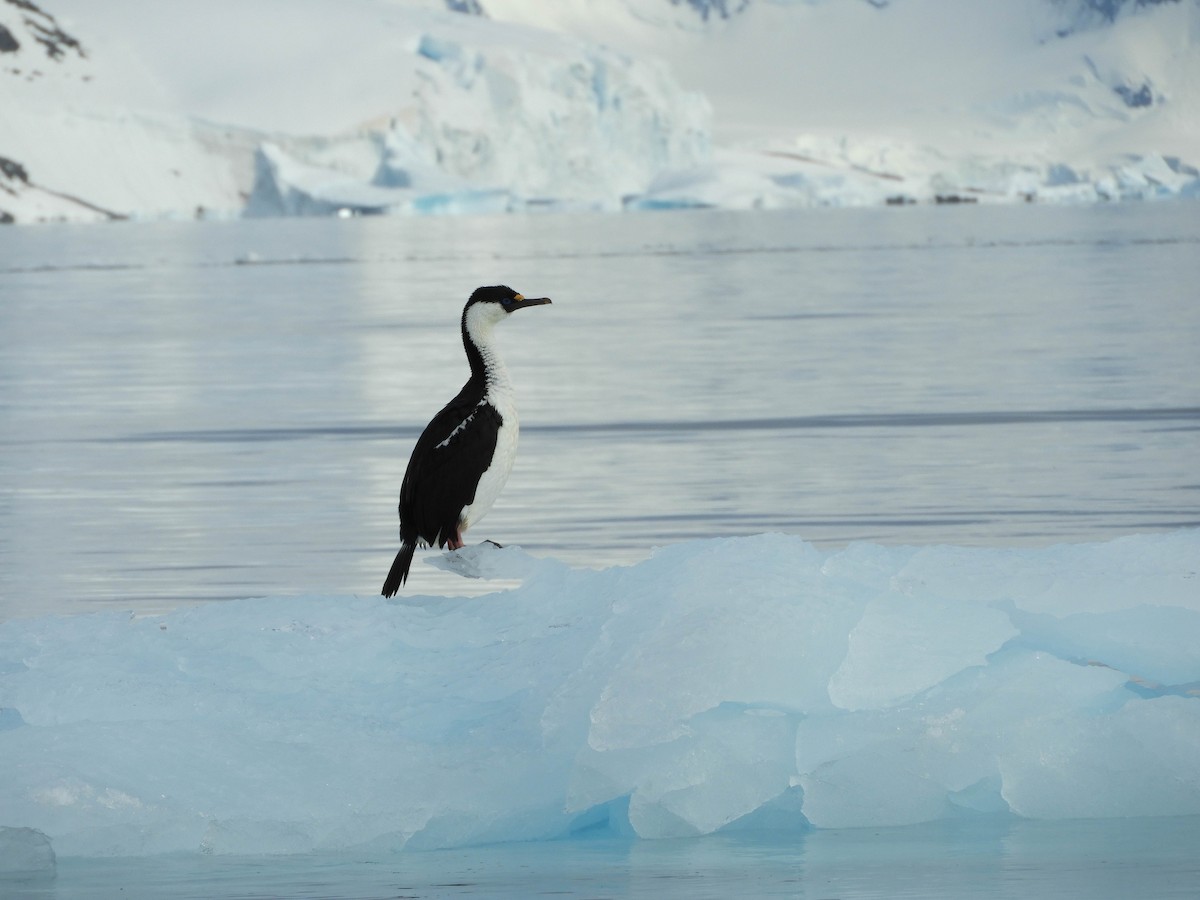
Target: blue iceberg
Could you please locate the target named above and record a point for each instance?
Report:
(721, 685)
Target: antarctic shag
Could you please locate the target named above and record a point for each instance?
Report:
(463, 457)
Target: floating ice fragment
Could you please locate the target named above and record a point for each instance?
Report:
(742, 683)
(485, 560)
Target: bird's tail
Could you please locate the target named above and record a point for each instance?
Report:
(398, 574)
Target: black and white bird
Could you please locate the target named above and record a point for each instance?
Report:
(463, 457)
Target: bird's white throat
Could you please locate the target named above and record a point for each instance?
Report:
(480, 326)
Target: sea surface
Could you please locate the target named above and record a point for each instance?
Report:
(1131, 859)
(194, 412)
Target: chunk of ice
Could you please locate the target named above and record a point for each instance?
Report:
(724, 684)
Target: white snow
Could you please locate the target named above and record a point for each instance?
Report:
(314, 107)
(737, 683)
(296, 107)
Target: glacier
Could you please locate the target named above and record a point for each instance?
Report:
(498, 127)
(427, 107)
(726, 685)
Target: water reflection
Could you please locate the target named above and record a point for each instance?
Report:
(975, 860)
(207, 410)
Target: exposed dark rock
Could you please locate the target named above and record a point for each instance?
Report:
(716, 9)
(1135, 97)
(12, 169)
(46, 31)
(467, 7)
(8, 43)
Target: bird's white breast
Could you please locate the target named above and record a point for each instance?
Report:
(500, 396)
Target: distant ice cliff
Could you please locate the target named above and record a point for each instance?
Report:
(491, 127)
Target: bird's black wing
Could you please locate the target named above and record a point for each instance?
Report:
(451, 455)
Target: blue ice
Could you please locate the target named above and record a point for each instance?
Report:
(716, 686)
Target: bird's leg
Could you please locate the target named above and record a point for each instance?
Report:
(456, 542)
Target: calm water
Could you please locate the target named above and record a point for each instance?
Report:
(1092, 860)
(200, 411)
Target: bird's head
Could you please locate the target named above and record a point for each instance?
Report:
(488, 305)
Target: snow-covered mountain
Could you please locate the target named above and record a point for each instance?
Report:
(223, 107)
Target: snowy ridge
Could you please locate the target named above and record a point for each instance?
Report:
(751, 683)
(826, 103)
(35, 50)
(89, 134)
(441, 112)
(419, 106)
